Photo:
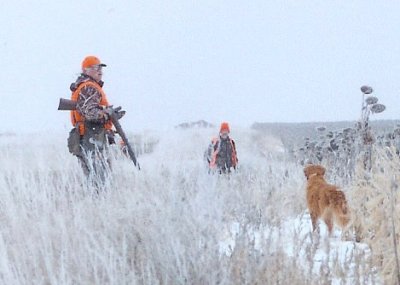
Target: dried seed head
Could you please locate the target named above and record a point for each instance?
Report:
(378, 108)
(347, 130)
(366, 89)
(371, 100)
(333, 144)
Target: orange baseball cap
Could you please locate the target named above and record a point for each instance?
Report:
(224, 127)
(91, 60)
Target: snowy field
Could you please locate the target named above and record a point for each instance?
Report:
(172, 222)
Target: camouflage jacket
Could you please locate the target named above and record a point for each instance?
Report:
(91, 99)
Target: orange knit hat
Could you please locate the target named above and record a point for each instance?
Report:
(91, 60)
(224, 127)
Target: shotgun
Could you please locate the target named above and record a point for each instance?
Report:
(66, 105)
(115, 114)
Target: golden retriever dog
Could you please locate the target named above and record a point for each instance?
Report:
(325, 201)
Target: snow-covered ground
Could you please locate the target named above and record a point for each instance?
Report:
(316, 252)
(170, 223)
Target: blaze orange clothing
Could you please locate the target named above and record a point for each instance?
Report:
(224, 155)
(86, 89)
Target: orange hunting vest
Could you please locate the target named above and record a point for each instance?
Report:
(76, 118)
(213, 162)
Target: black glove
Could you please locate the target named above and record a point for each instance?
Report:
(107, 113)
(116, 112)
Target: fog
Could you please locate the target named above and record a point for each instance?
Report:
(175, 61)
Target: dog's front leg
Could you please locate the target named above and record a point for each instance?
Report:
(329, 222)
(314, 219)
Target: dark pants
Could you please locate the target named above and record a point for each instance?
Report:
(93, 156)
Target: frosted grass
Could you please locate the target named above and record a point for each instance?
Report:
(171, 223)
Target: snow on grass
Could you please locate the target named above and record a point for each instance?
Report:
(346, 262)
(170, 223)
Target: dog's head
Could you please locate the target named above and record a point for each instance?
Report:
(314, 170)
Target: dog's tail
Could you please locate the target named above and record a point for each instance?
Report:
(340, 207)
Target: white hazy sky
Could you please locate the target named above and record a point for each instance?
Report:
(175, 61)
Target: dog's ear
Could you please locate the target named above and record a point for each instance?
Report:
(307, 170)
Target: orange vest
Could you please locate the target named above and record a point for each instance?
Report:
(76, 118)
(213, 162)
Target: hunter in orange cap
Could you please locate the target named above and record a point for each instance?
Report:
(91, 119)
(224, 127)
(224, 156)
(90, 61)
(89, 86)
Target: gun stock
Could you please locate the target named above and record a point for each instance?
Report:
(66, 105)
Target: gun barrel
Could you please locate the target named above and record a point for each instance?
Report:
(70, 105)
(120, 131)
(66, 105)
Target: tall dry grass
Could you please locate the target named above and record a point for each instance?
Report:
(375, 199)
(170, 223)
